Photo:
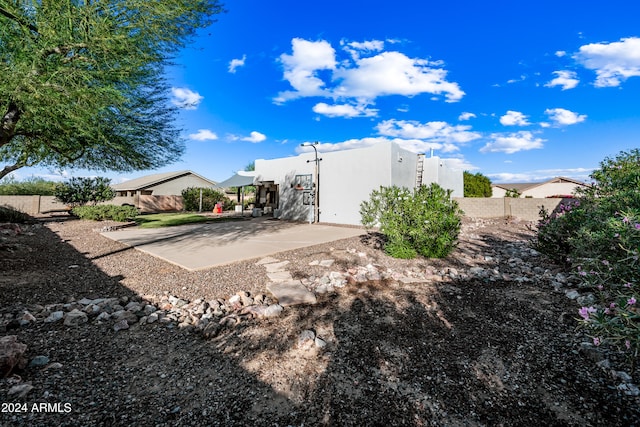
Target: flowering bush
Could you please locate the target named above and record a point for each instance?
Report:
(598, 236)
(424, 222)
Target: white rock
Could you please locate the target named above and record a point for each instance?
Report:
(103, 316)
(572, 293)
(121, 325)
(20, 390)
(75, 318)
(152, 318)
(54, 317)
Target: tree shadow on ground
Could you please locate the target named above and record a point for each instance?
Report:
(461, 353)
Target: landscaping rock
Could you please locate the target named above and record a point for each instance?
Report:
(12, 355)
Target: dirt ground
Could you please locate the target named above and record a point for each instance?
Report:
(459, 350)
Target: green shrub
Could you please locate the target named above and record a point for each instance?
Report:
(598, 236)
(513, 192)
(9, 214)
(424, 222)
(31, 186)
(81, 191)
(105, 213)
(210, 196)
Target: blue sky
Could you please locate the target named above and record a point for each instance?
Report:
(518, 91)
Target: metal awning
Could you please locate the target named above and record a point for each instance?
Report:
(240, 179)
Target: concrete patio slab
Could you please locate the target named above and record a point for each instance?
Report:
(201, 246)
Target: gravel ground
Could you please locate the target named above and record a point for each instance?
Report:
(469, 351)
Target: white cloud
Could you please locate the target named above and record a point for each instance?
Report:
(362, 78)
(466, 116)
(203, 135)
(560, 53)
(513, 118)
(355, 49)
(255, 137)
(413, 145)
(510, 143)
(521, 79)
(612, 62)
(300, 68)
(566, 79)
(393, 73)
(236, 63)
(441, 132)
(563, 117)
(344, 110)
(185, 98)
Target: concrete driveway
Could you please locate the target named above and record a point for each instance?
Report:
(200, 246)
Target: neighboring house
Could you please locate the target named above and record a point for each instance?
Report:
(285, 186)
(556, 187)
(159, 192)
(162, 184)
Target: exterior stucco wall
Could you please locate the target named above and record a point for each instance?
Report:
(551, 189)
(444, 173)
(497, 192)
(282, 172)
(348, 177)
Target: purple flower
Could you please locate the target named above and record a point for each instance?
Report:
(627, 344)
(600, 287)
(627, 285)
(637, 226)
(625, 220)
(585, 311)
(631, 301)
(596, 341)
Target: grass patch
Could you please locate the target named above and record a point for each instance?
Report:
(173, 219)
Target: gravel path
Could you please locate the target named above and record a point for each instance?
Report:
(484, 337)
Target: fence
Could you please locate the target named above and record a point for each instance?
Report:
(474, 207)
(34, 205)
(506, 207)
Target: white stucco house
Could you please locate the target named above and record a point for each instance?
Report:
(285, 186)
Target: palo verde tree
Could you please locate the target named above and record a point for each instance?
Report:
(82, 81)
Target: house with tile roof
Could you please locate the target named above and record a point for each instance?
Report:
(555, 187)
(162, 184)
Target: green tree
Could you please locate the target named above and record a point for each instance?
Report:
(82, 81)
(81, 191)
(476, 185)
(28, 187)
(210, 196)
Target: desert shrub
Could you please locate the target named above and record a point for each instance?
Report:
(597, 235)
(81, 191)
(513, 192)
(105, 212)
(9, 214)
(210, 196)
(423, 222)
(31, 186)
